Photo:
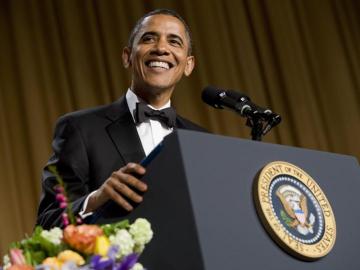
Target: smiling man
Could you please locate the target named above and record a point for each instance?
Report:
(158, 56)
(97, 151)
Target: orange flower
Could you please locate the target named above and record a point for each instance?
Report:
(83, 237)
(20, 267)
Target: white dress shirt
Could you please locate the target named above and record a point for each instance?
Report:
(151, 133)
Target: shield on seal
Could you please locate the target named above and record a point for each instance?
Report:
(300, 215)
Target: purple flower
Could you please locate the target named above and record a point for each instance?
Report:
(61, 197)
(63, 205)
(97, 263)
(65, 219)
(59, 189)
(128, 262)
(113, 250)
(79, 220)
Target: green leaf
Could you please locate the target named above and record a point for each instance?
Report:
(285, 218)
(60, 181)
(110, 229)
(36, 248)
(50, 248)
(36, 257)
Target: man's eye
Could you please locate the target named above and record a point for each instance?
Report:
(148, 39)
(175, 42)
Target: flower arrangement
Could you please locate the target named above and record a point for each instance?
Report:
(107, 247)
(79, 246)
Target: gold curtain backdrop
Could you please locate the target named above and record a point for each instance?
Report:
(301, 58)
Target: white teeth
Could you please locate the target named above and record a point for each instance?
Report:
(159, 64)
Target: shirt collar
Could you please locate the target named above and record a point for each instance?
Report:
(132, 99)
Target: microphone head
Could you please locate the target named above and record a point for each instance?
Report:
(212, 96)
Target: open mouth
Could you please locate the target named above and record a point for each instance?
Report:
(158, 64)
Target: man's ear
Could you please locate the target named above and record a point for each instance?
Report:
(190, 64)
(126, 57)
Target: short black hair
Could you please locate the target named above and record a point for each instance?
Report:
(163, 11)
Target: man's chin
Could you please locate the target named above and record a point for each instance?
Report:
(156, 87)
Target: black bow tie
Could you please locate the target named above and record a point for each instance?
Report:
(166, 116)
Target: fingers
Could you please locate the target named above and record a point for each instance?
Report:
(133, 168)
(121, 185)
(125, 176)
(123, 189)
(118, 198)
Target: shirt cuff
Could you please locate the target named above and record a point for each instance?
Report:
(82, 213)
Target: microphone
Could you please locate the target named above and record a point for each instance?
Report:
(219, 99)
(272, 118)
(243, 98)
(263, 118)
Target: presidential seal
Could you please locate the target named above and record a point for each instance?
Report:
(295, 211)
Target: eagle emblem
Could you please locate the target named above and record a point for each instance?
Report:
(296, 214)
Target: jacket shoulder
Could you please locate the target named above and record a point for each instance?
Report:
(187, 124)
(109, 111)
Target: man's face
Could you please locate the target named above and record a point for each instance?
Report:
(159, 56)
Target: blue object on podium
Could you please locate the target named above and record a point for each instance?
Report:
(200, 205)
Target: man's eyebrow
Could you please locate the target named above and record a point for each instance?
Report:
(156, 34)
(151, 33)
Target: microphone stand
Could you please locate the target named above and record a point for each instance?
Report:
(256, 125)
(261, 123)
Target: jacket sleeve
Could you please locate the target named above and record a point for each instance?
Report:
(71, 161)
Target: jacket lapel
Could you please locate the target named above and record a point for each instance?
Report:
(123, 132)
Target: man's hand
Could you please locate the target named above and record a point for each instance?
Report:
(120, 187)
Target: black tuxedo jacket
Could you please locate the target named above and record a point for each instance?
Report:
(87, 147)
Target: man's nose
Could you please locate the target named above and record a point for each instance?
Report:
(161, 47)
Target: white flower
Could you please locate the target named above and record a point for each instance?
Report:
(139, 248)
(54, 235)
(6, 261)
(137, 266)
(70, 265)
(123, 239)
(141, 231)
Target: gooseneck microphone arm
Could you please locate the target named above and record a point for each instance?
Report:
(259, 119)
